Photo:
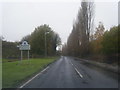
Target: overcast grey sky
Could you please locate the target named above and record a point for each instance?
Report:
(20, 18)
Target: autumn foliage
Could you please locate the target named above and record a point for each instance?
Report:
(85, 42)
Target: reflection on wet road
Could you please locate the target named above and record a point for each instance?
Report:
(69, 73)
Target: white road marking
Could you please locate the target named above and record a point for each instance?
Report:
(77, 71)
(34, 77)
(71, 64)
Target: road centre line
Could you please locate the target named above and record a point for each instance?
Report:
(77, 71)
(34, 77)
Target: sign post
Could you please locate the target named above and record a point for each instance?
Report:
(23, 47)
(21, 55)
(28, 54)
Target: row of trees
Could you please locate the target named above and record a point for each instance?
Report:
(43, 37)
(78, 41)
(10, 50)
(83, 42)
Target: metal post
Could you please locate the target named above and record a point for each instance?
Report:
(45, 45)
(21, 55)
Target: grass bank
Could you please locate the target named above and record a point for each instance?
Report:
(0, 75)
(16, 72)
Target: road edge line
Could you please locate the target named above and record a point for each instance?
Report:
(33, 77)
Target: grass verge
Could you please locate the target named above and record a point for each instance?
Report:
(16, 72)
(0, 75)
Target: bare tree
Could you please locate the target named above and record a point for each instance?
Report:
(85, 23)
(78, 40)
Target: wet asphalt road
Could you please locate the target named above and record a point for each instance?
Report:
(69, 73)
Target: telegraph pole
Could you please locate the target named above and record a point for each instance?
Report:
(46, 43)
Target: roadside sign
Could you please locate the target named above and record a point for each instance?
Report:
(24, 46)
